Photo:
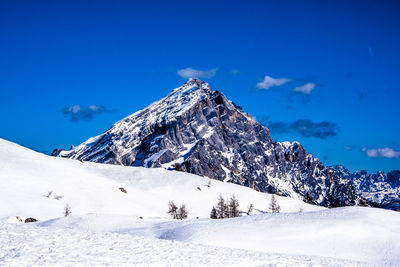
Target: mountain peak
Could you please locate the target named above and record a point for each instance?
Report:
(192, 84)
(200, 131)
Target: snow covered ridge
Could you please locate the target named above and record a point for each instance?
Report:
(197, 130)
(378, 190)
(111, 227)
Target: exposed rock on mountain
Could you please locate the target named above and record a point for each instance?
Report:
(378, 190)
(200, 131)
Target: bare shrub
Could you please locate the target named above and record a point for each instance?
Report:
(250, 209)
(273, 205)
(182, 212)
(172, 210)
(67, 210)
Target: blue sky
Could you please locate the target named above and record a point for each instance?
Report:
(324, 73)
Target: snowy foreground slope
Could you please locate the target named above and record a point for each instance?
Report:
(105, 228)
(27, 176)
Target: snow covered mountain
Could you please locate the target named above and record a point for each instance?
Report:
(110, 227)
(378, 190)
(200, 131)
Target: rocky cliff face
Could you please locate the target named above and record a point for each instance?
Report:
(380, 190)
(197, 130)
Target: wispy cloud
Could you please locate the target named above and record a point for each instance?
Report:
(235, 72)
(386, 152)
(305, 128)
(305, 89)
(193, 73)
(269, 82)
(76, 112)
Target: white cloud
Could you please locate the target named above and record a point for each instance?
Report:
(192, 73)
(269, 82)
(386, 152)
(305, 89)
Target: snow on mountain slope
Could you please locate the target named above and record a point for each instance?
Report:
(105, 228)
(27, 176)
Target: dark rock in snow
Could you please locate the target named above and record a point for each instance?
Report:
(28, 220)
(56, 152)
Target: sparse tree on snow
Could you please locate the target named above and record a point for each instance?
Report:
(172, 210)
(225, 209)
(67, 210)
(250, 209)
(233, 207)
(182, 212)
(222, 209)
(213, 214)
(178, 214)
(273, 205)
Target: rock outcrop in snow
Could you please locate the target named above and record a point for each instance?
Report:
(200, 131)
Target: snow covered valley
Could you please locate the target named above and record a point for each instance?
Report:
(109, 227)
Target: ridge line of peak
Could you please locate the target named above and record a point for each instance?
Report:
(191, 83)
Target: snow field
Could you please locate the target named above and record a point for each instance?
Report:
(105, 227)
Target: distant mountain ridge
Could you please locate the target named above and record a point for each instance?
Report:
(378, 190)
(198, 130)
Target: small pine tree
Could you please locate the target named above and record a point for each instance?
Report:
(222, 209)
(273, 205)
(213, 214)
(182, 213)
(67, 210)
(233, 207)
(250, 209)
(226, 210)
(172, 210)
